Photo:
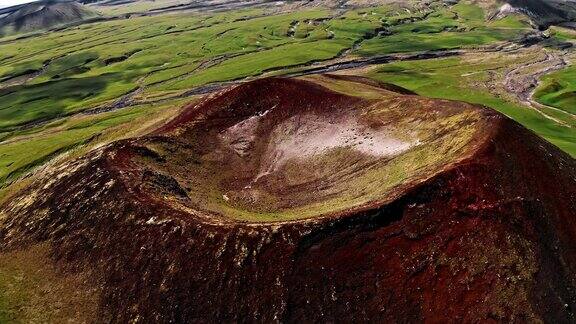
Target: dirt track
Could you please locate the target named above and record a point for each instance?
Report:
(522, 81)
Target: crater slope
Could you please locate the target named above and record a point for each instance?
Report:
(282, 149)
(330, 198)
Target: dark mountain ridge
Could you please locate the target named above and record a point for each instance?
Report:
(42, 15)
(548, 12)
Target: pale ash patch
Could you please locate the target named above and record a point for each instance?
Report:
(241, 136)
(303, 137)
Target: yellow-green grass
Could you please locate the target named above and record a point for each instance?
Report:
(34, 290)
(22, 153)
(136, 6)
(558, 90)
(93, 64)
(457, 79)
(562, 34)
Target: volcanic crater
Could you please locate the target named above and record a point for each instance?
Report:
(332, 198)
(285, 149)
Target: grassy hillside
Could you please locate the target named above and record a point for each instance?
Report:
(558, 89)
(467, 79)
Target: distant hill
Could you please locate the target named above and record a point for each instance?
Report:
(542, 12)
(42, 15)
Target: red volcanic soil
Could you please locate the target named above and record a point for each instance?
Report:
(249, 207)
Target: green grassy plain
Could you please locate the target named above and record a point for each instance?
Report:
(559, 90)
(93, 65)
